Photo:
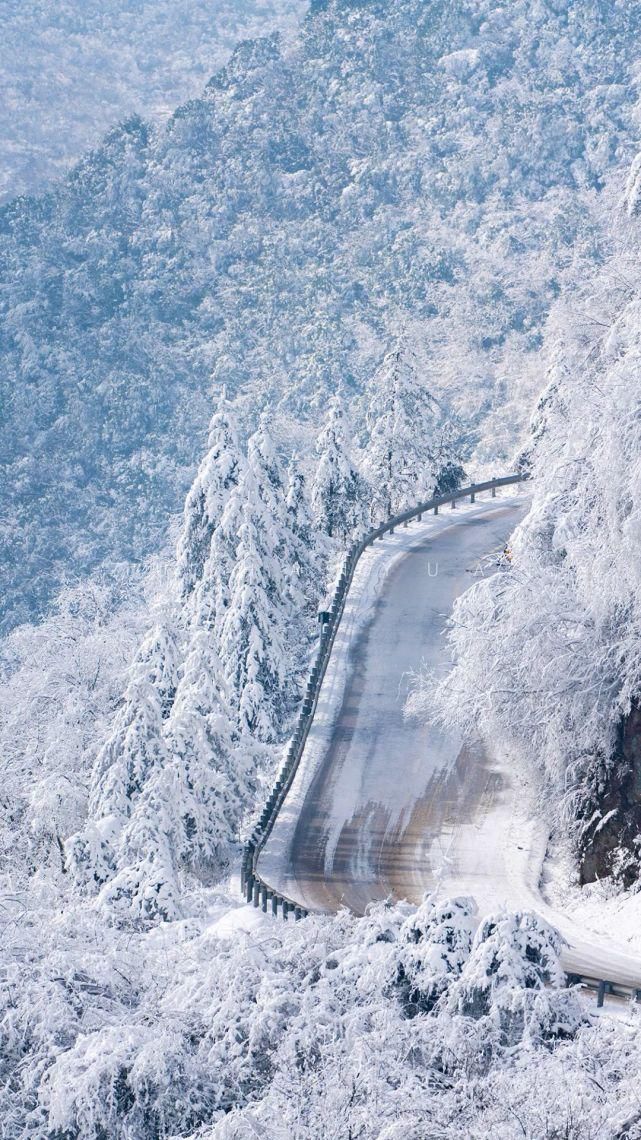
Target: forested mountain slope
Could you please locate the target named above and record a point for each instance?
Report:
(438, 165)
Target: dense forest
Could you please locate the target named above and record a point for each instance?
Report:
(442, 167)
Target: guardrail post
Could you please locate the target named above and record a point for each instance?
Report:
(435, 510)
(263, 898)
(405, 523)
(453, 504)
(250, 887)
(493, 492)
(256, 893)
(275, 904)
(472, 497)
(298, 914)
(600, 995)
(285, 908)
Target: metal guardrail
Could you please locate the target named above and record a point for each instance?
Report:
(602, 988)
(256, 890)
(253, 886)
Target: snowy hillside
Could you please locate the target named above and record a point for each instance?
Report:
(71, 70)
(547, 652)
(439, 168)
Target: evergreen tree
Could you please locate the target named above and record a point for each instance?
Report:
(263, 457)
(134, 749)
(143, 885)
(514, 980)
(254, 631)
(339, 492)
(289, 522)
(407, 447)
(219, 472)
(211, 597)
(159, 653)
(134, 746)
(265, 625)
(307, 558)
(187, 819)
(298, 506)
(215, 779)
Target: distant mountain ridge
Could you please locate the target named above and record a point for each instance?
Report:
(440, 165)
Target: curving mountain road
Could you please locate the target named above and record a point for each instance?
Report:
(383, 805)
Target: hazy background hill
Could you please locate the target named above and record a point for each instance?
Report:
(71, 69)
(438, 167)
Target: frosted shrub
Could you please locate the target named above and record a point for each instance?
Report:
(433, 947)
(514, 981)
(219, 473)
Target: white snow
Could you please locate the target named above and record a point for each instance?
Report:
(600, 907)
(461, 63)
(240, 920)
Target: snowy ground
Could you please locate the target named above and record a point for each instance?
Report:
(384, 805)
(599, 907)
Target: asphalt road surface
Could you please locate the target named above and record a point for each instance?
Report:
(389, 806)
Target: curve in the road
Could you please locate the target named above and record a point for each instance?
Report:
(386, 806)
(384, 786)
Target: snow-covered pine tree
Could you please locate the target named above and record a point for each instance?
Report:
(254, 629)
(265, 622)
(167, 799)
(304, 544)
(134, 749)
(185, 822)
(216, 775)
(339, 492)
(142, 885)
(298, 505)
(210, 531)
(271, 482)
(515, 981)
(406, 449)
(210, 599)
(218, 474)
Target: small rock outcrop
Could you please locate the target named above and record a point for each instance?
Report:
(611, 840)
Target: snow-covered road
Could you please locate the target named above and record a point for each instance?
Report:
(383, 805)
